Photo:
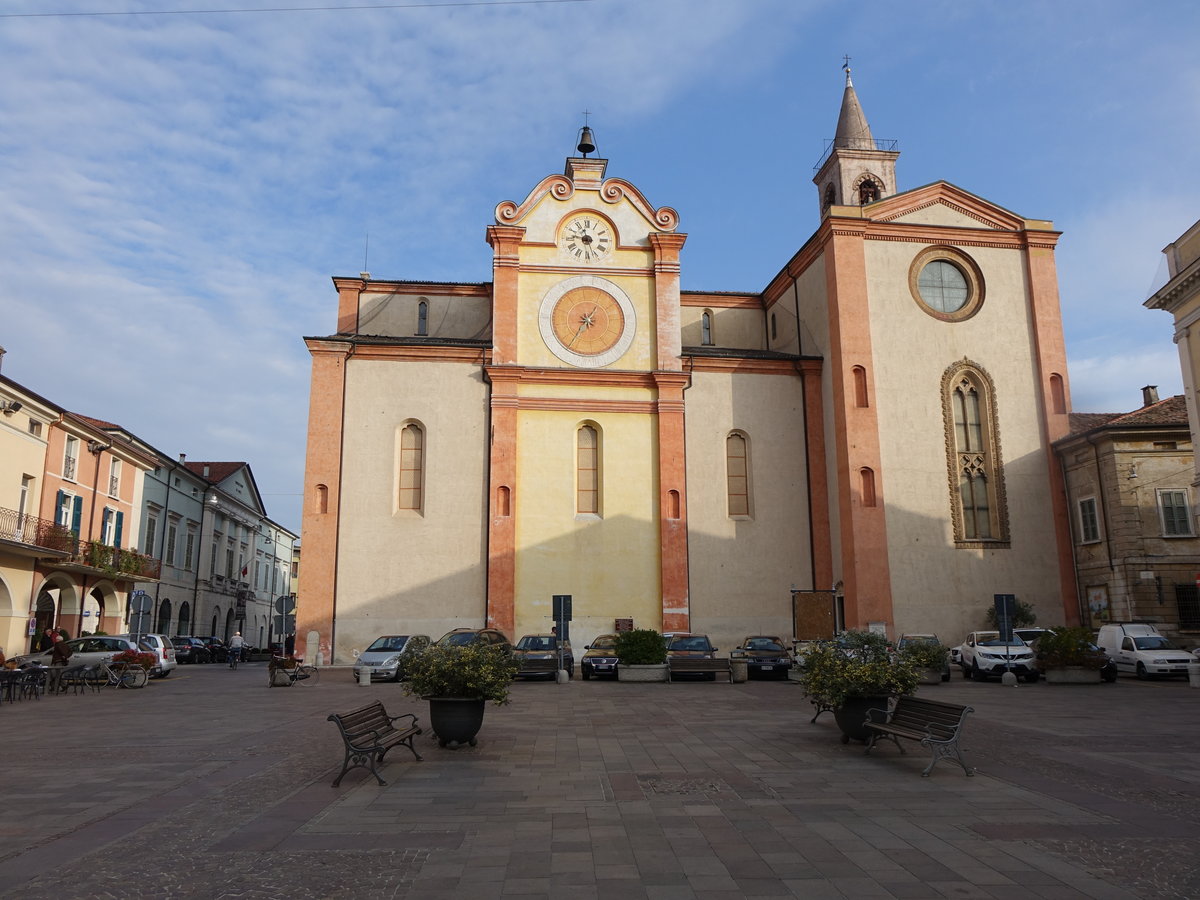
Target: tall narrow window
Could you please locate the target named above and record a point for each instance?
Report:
(114, 477)
(706, 337)
(860, 387)
(148, 541)
(502, 501)
(1058, 394)
(977, 482)
(830, 196)
(587, 471)
(737, 475)
(322, 498)
(1173, 507)
(774, 327)
(867, 488)
(423, 317)
(70, 457)
(189, 548)
(1089, 522)
(172, 537)
(412, 463)
(673, 504)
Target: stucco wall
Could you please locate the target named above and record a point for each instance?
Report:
(609, 563)
(742, 570)
(401, 571)
(937, 587)
(739, 329)
(395, 315)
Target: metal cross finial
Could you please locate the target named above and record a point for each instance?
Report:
(585, 118)
(846, 63)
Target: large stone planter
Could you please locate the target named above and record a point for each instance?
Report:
(739, 671)
(456, 720)
(929, 676)
(1071, 675)
(626, 672)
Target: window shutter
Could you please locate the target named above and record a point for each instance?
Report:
(77, 515)
(58, 508)
(120, 523)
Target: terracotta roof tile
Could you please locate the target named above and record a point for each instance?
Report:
(1170, 412)
(217, 471)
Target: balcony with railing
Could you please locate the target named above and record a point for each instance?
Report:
(116, 562)
(35, 533)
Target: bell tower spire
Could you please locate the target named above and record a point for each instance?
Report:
(856, 169)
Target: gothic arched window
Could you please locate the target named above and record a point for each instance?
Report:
(412, 468)
(868, 192)
(587, 471)
(976, 471)
(706, 334)
(737, 474)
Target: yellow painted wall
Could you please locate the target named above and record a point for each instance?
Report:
(741, 329)
(400, 571)
(609, 564)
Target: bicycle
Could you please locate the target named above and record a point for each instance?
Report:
(297, 674)
(235, 656)
(126, 675)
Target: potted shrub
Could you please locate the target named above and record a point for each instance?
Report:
(928, 658)
(457, 681)
(641, 656)
(855, 672)
(1068, 656)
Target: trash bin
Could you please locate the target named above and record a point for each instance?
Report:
(739, 670)
(1194, 674)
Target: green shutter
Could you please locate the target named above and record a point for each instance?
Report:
(120, 523)
(77, 516)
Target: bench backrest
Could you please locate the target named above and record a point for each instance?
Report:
(692, 662)
(364, 721)
(917, 713)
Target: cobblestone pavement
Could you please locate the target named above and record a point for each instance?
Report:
(210, 785)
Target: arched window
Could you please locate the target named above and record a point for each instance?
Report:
(587, 471)
(706, 334)
(737, 474)
(868, 192)
(162, 624)
(860, 387)
(322, 498)
(867, 486)
(423, 317)
(1058, 394)
(502, 501)
(774, 327)
(672, 504)
(830, 196)
(412, 467)
(185, 619)
(976, 474)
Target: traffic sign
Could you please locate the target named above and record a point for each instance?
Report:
(285, 605)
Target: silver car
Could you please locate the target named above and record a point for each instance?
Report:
(387, 655)
(87, 651)
(162, 647)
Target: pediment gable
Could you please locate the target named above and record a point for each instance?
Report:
(944, 204)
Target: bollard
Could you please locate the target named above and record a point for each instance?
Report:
(1194, 674)
(561, 676)
(364, 676)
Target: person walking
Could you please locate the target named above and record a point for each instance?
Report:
(60, 654)
(236, 643)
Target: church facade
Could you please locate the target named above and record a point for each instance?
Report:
(866, 443)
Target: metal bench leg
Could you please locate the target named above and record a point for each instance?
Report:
(949, 751)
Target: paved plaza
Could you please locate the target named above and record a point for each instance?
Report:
(211, 785)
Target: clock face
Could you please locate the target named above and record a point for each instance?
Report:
(587, 321)
(587, 238)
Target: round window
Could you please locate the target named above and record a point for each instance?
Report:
(943, 286)
(946, 283)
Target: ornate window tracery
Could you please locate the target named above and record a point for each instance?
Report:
(976, 475)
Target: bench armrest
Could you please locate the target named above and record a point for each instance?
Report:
(877, 716)
(412, 716)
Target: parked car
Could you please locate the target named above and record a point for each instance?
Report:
(539, 656)
(600, 657)
(387, 655)
(460, 637)
(191, 650)
(687, 644)
(163, 649)
(1029, 635)
(984, 654)
(217, 650)
(87, 651)
(765, 655)
(909, 640)
(1138, 649)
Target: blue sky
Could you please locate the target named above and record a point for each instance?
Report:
(177, 190)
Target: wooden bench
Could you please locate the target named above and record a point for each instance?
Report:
(369, 733)
(935, 724)
(692, 665)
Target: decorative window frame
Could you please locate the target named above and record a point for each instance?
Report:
(961, 261)
(749, 513)
(994, 465)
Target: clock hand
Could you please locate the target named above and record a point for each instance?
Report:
(583, 326)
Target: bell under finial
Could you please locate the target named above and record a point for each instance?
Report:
(587, 142)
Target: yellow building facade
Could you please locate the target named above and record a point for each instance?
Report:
(869, 435)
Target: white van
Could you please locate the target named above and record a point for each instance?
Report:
(1139, 649)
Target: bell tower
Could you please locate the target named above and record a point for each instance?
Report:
(857, 168)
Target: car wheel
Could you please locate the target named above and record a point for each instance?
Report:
(1032, 678)
(966, 672)
(946, 675)
(977, 673)
(163, 674)
(1109, 677)
(1142, 673)
(585, 672)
